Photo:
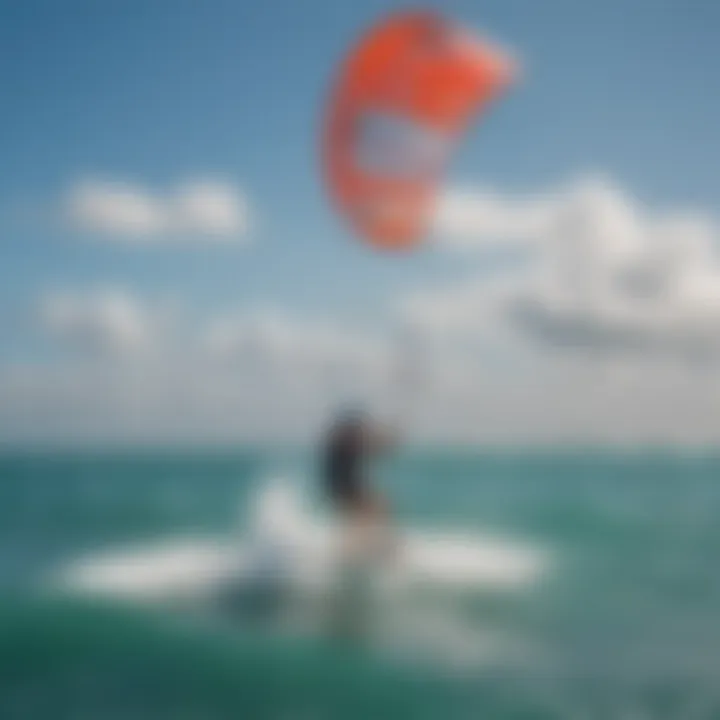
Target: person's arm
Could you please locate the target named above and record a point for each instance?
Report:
(380, 439)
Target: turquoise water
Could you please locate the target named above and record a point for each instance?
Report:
(626, 621)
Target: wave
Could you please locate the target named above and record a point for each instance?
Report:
(286, 541)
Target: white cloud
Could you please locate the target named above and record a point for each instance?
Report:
(605, 272)
(627, 289)
(107, 320)
(466, 218)
(197, 209)
(140, 374)
(277, 338)
(139, 371)
(321, 362)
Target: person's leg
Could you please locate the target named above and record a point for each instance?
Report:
(373, 506)
(374, 518)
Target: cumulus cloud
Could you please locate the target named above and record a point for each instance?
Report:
(466, 218)
(140, 368)
(106, 320)
(196, 209)
(325, 363)
(605, 272)
(277, 337)
(143, 371)
(630, 290)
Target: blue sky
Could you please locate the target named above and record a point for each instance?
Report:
(154, 92)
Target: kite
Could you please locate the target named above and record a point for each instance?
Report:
(402, 100)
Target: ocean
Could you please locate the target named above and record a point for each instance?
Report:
(623, 621)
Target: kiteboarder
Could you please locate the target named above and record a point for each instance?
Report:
(352, 441)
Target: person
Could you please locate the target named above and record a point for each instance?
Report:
(365, 539)
(352, 441)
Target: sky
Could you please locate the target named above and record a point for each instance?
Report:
(171, 268)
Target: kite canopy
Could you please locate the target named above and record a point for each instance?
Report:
(404, 95)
